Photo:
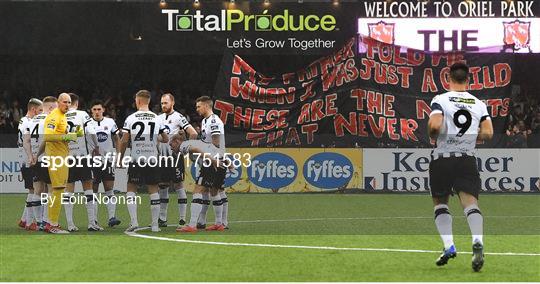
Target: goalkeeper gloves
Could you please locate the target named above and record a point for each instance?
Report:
(79, 131)
(69, 137)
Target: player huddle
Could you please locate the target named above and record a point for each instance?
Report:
(56, 128)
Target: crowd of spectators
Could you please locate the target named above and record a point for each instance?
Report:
(522, 131)
(523, 124)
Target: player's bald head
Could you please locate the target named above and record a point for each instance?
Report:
(63, 97)
(64, 102)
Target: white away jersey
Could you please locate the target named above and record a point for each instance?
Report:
(105, 131)
(204, 147)
(144, 128)
(24, 128)
(173, 123)
(36, 128)
(210, 126)
(78, 118)
(463, 114)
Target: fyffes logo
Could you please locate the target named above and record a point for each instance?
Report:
(272, 170)
(231, 177)
(228, 20)
(328, 170)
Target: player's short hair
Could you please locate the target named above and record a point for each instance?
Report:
(97, 102)
(170, 95)
(459, 72)
(204, 99)
(74, 97)
(49, 99)
(33, 102)
(143, 94)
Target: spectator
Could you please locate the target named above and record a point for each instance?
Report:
(16, 112)
(534, 137)
(517, 138)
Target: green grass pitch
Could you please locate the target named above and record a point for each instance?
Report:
(311, 221)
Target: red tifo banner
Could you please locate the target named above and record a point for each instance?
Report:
(377, 97)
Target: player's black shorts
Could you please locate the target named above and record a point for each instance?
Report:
(41, 173)
(454, 174)
(28, 177)
(82, 172)
(101, 175)
(211, 177)
(173, 173)
(143, 175)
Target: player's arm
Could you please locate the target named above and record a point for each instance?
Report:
(122, 145)
(90, 132)
(486, 130)
(115, 135)
(41, 149)
(191, 132)
(52, 136)
(163, 132)
(435, 124)
(216, 139)
(436, 118)
(27, 146)
(163, 137)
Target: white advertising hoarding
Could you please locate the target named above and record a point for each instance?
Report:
(408, 169)
(11, 180)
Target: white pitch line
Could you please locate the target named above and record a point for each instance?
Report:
(137, 235)
(362, 218)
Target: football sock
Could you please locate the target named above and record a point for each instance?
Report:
(96, 207)
(69, 208)
(164, 203)
(155, 208)
(90, 206)
(196, 207)
(37, 208)
(182, 203)
(45, 212)
(111, 203)
(476, 222)
(28, 213)
(55, 207)
(218, 208)
(131, 201)
(204, 208)
(443, 221)
(225, 202)
(23, 216)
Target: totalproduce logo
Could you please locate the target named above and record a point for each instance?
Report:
(229, 20)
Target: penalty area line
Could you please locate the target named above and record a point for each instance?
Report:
(137, 235)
